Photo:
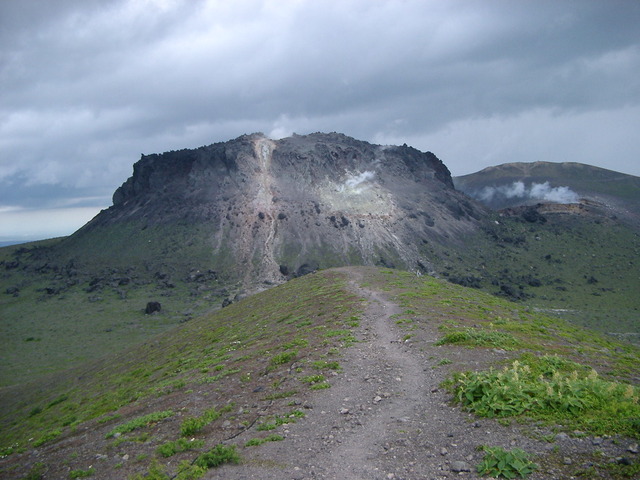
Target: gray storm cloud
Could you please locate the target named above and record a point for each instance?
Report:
(88, 85)
(536, 191)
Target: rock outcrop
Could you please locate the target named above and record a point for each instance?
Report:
(274, 209)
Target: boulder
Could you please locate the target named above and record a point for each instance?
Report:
(152, 307)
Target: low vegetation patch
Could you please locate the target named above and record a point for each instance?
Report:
(181, 445)
(284, 357)
(254, 442)
(140, 422)
(552, 389)
(82, 473)
(47, 437)
(480, 337)
(322, 364)
(311, 379)
(215, 457)
(498, 462)
(193, 425)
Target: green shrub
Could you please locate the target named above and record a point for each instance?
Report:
(47, 437)
(320, 386)
(181, 445)
(311, 379)
(322, 364)
(35, 411)
(540, 389)
(284, 357)
(266, 427)
(140, 422)
(192, 425)
(498, 462)
(254, 442)
(217, 456)
(81, 473)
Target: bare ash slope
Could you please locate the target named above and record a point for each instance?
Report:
(367, 338)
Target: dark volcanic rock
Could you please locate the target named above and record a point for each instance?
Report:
(153, 307)
(318, 201)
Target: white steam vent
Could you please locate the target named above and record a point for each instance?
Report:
(537, 191)
(357, 183)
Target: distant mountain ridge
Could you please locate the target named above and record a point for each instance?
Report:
(516, 184)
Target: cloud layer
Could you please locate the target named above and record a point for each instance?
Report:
(86, 86)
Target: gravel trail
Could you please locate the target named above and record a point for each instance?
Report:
(373, 421)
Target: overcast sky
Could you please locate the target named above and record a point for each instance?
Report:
(87, 86)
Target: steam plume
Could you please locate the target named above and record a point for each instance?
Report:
(537, 191)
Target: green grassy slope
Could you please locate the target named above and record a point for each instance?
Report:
(264, 350)
(63, 303)
(307, 318)
(73, 304)
(583, 268)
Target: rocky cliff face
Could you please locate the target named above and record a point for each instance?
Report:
(279, 208)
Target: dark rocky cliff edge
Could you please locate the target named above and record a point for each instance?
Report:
(263, 210)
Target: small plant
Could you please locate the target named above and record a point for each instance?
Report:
(499, 462)
(47, 437)
(140, 422)
(320, 386)
(217, 456)
(277, 395)
(254, 442)
(181, 445)
(81, 473)
(35, 411)
(311, 379)
(193, 425)
(354, 321)
(445, 361)
(266, 427)
(322, 364)
(109, 418)
(296, 342)
(284, 357)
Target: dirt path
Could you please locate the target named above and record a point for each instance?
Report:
(386, 417)
(373, 422)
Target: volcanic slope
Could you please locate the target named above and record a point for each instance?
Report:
(335, 375)
(263, 210)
